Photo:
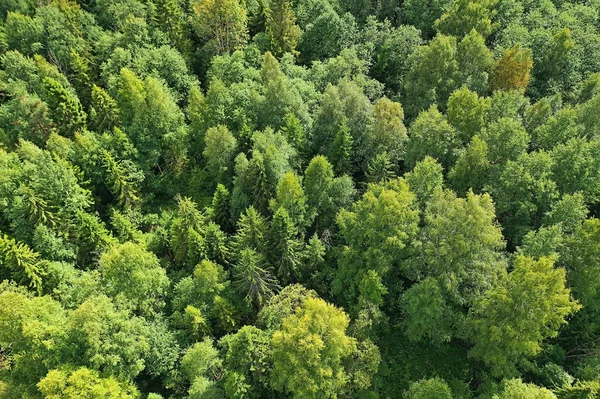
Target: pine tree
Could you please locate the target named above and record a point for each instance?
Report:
(66, 110)
(120, 182)
(261, 190)
(294, 134)
(104, 115)
(220, 208)
(342, 148)
(284, 249)
(251, 232)
(22, 261)
(282, 28)
(380, 169)
(253, 279)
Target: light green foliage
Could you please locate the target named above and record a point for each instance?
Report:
(425, 178)
(471, 170)
(380, 169)
(388, 132)
(377, 230)
(506, 139)
(22, 263)
(501, 328)
(291, 197)
(309, 351)
(467, 113)
(515, 388)
(325, 195)
(186, 234)
(83, 383)
(434, 388)
(130, 271)
(461, 245)
(104, 115)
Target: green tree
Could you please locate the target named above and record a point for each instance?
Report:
(465, 15)
(220, 208)
(284, 249)
(342, 148)
(434, 388)
(310, 350)
(431, 135)
(501, 329)
(104, 114)
(432, 75)
(467, 113)
(515, 388)
(221, 23)
(219, 149)
(291, 197)
(83, 383)
(380, 169)
(65, 109)
(377, 231)
(425, 178)
(253, 278)
(135, 274)
(281, 27)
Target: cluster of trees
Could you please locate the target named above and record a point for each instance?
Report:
(299, 199)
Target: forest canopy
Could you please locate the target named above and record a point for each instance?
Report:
(304, 199)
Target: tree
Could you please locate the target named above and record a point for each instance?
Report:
(513, 70)
(431, 135)
(380, 169)
(281, 27)
(467, 113)
(461, 244)
(22, 263)
(434, 388)
(83, 383)
(219, 149)
(501, 328)
(186, 234)
(425, 178)
(247, 361)
(251, 231)
(471, 170)
(342, 148)
(388, 132)
(377, 231)
(220, 208)
(475, 62)
(121, 184)
(284, 252)
(221, 23)
(65, 108)
(516, 389)
(423, 15)
(130, 271)
(463, 16)
(506, 139)
(104, 114)
(291, 197)
(309, 351)
(253, 279)
(432, 75)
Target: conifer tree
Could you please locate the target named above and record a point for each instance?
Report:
(342, 149)
(65, 108)
(282, 28)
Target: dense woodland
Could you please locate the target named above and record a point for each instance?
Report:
(299, 199)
